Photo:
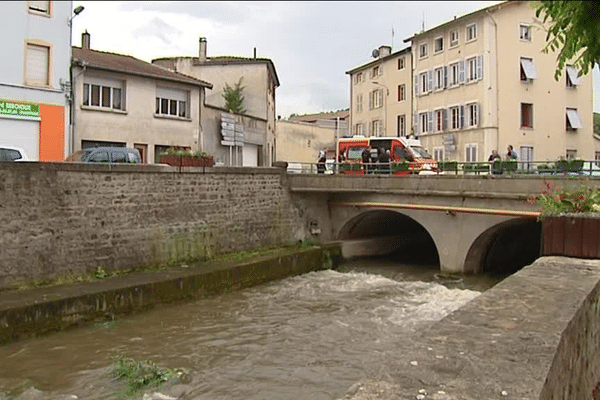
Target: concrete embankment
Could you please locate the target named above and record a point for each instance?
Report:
(532, 336)
(30, 312)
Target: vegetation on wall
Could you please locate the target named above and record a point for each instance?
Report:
(572, 29)
(234, 98)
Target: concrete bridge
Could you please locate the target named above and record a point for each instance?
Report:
(469, 224)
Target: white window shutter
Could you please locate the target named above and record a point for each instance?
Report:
(445, 119)
(415, 124)
(430, 80)
(478, 115)
(37, 64)
(479, 67)
(462, 117)
(430, 121)
(461, 71)
(416, 85)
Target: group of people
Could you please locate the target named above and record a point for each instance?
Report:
(375, 159)
(510, 155)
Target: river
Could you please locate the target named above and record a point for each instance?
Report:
(306, 337)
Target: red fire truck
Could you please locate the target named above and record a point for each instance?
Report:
(407, 156)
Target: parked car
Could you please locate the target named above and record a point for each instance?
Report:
(10, 153)
(110, 155)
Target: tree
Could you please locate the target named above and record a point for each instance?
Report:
(573, 30)
(234, 99)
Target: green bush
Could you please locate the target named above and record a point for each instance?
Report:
(509, 165)
(476, 167)
(569, 165)
(350, 167)
(448, 165)
(401, 166)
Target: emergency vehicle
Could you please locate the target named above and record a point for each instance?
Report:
(401, 150)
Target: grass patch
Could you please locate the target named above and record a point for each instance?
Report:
(138, 376)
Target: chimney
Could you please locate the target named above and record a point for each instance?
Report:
(385, 51)
(85, 40)
(255, 53)
(202, 52)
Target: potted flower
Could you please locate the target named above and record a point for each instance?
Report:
(179, 157)
(570, 221)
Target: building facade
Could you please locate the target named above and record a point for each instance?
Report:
(481, 83)
(259, 79)
(380, 94)
(122, 101)
(34, 83)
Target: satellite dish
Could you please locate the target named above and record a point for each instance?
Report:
(375, 53)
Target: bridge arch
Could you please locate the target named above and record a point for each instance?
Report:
(384, 231)
(505, 248)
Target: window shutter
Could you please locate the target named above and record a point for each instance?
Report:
(416, 85)
(430, 121)
(478, 115)
(380, 95)
(371, 100)
(445, 119)
(462, 117)
(461, 71)
(445, 77)
(37, 64)
(479, 67)
(430, 80)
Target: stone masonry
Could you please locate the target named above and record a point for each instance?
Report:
(61, 219)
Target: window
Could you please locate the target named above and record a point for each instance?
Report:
(38, 65)
(526, 157)
(438, 44)
(471, 32)
(597, 158)
(423, 122)
(358, 129)
(401, 92)
(401, 63)
(572, 76)
(423, 50)
(173, 102)
(358, 78)
(526, 115)
(359, 100)
(375, 72)
(572, 120)
(438, 153)
(455, 117)
(376, 128)
(472, 114)
(401, 128)
(40, 7)
(453, 75)
(101, 156)
(453, 38)
(472, 69)
(439, 78)
(103, 93)
(423, 82)
(571, 153)
(471, 153)
(376, 99)
(528, 70)
(439, 120)
(525, 32)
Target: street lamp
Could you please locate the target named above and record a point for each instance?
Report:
(76, 12)
(387, 93)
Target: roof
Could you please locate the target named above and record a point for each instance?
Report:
(315, 117)
(371, 63)
(131, 65)
(228, 60)
(493, 7)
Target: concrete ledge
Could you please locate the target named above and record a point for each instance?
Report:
(532, 336)
(25, 313)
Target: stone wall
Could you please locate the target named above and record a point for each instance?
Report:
(62, 219)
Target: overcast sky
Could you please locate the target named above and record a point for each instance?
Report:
(312, 44)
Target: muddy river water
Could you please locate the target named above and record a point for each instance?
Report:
(306, 337)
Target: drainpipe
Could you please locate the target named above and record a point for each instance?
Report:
(497, 127)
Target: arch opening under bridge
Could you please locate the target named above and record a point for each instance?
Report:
(384, 232)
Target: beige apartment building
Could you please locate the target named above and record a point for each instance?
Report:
(380, 94)
(481, 82)
(119, 100)
(259, 79)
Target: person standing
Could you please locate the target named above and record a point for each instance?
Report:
(495, 159)
(321, 162)
(366, 159)
(494, 156)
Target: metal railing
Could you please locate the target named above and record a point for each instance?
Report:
(565, 167)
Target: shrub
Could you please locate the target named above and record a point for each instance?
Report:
(140, 375)
(401, 166)
(557, 200)
(448, 165)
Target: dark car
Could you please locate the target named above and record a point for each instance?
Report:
(111, 155)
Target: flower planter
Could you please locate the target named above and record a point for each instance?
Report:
(571, 236)
(187, 161)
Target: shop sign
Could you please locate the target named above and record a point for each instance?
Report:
(19, 109)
